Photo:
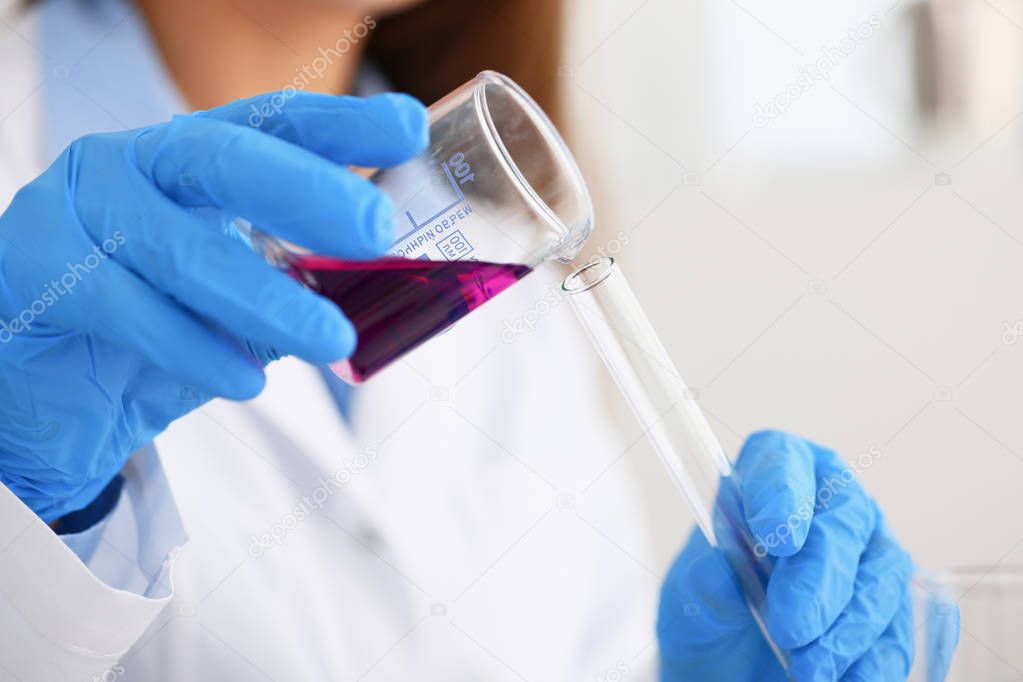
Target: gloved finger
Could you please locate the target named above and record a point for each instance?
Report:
(217, 276)
(891, 657)
(939, 632)
(282, 188)
(115, 304)
(808, 590)
(881, 583)
(375, 132)
(777, 475)
(704, 628)
(265, 354)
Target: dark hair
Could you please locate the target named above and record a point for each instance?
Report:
(432, 48)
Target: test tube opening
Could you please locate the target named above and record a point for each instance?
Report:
(595, 271)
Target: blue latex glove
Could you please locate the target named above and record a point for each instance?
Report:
(838, 599)
(125, 301)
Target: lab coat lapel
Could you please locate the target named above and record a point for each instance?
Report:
(20, 104)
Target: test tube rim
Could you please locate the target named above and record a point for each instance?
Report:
(607, 262)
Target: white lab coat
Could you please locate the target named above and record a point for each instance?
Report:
(460, 538)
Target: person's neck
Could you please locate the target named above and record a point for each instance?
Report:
(218, 51)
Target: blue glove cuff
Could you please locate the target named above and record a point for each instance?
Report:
(97, 510)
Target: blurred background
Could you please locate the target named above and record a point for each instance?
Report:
(821, 205)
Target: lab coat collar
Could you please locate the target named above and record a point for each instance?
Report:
(102, 72)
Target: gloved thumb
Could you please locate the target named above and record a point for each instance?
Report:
(704, 628)
(701, 602)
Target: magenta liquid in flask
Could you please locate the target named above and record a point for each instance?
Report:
(396, 304)
(495, 194)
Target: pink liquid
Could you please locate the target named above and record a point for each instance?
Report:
(397, 303)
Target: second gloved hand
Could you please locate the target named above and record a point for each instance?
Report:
(838, 600)
(125, 303)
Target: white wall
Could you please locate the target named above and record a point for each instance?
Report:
(732, 225)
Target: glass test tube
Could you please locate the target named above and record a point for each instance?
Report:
(671, 418)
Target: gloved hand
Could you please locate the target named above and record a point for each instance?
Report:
(125, 301)
(838, 598)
